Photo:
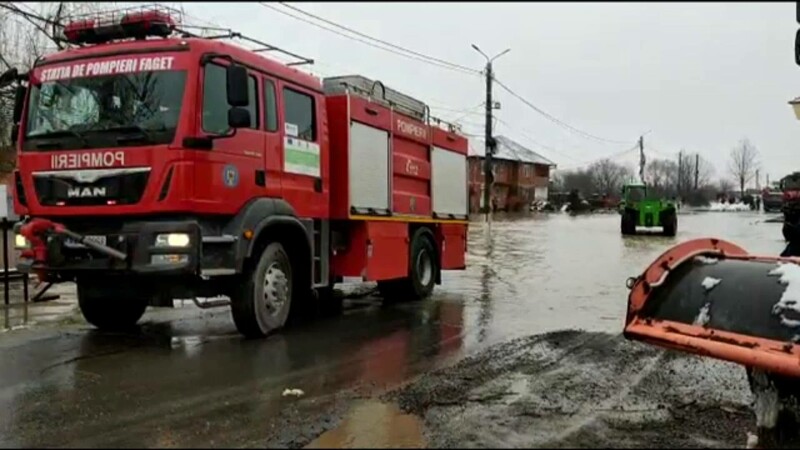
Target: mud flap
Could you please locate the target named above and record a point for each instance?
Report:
(710, 298)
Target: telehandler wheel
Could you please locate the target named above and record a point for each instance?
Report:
(628, 224)
(669, 221)
(423, 267)
(260, 304)
(111, 305)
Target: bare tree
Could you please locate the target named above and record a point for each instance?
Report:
(577, 179)
(743, 163)
(661, 177)
(693, 167)
(26, 34)
(608, 176)
(724, 185)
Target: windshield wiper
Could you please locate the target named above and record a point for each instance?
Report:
(143, 134)
(57, 133)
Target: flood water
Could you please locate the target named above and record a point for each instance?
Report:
(188, 379)
(550, 272)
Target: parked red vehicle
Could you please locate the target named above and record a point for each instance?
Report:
(155, 165)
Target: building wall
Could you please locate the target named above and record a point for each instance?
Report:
(515, 187)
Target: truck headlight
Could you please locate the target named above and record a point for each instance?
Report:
(172, 240)
(21, 242)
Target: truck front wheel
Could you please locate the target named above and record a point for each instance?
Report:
(110, 306)
(669, 220)
(422, 270)
(260, 304)
(628, 223)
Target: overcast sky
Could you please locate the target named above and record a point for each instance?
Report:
(701, 76)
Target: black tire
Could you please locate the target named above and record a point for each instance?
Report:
(628, 224)
(329, 303)
(111, 305)
(423, 267)
(260, 304)
(788, 231)
(669, 221)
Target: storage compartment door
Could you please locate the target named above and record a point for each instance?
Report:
(369, 170)
(449, 184)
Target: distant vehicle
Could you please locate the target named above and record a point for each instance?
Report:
(790, 187)
(638, 210)
(772, 199)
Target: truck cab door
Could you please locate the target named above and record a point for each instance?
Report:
(273, 142)
(227, 175)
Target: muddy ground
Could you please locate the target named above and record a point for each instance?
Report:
(578, 389)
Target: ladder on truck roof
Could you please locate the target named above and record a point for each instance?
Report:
(227, 33)
(376, 91)
(114, 22)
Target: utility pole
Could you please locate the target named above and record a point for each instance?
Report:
(488, 176)
(641, 159)
(696, 169)
(680, 172)
(758, 180)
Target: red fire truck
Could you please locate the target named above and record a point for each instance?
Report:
(156, 164)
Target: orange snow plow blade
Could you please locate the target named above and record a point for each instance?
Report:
(710, 298)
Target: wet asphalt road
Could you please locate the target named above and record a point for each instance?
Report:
(188, 379)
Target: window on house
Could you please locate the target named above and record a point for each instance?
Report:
(215, 100)
(298, 112)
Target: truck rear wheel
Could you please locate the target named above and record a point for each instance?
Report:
(111, 305)
(260, 304)
(422, 270)
(669, 221)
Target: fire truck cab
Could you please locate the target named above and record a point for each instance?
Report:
(154, 165)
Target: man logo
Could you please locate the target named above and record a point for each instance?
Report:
(86, 192)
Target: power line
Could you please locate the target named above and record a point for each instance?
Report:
(555, 120)
(610, 156)
(389, 44)
(409, 54)
(534, 141)
(463, 113)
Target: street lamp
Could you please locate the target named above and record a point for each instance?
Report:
(489, 140)
(489, 60)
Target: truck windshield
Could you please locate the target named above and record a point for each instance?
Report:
(636, 193)
(792, 184)
(105, 111)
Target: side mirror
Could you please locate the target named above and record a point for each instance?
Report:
(238, 118)
(19, 101)
(797, 48)
(9, 76)
(236, 84)
(14, 133)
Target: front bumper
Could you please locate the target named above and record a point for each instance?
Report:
(136, 240)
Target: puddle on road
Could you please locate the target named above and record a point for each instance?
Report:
(372, 424)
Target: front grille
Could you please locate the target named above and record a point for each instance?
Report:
(91, 188)
(648, 220)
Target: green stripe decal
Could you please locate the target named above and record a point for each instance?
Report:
(301, 157)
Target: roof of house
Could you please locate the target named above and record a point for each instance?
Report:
(509, 150)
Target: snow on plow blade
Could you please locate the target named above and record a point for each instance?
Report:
(709, 297)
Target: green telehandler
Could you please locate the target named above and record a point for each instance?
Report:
(638, 210)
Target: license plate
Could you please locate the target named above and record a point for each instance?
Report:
(96, 239)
